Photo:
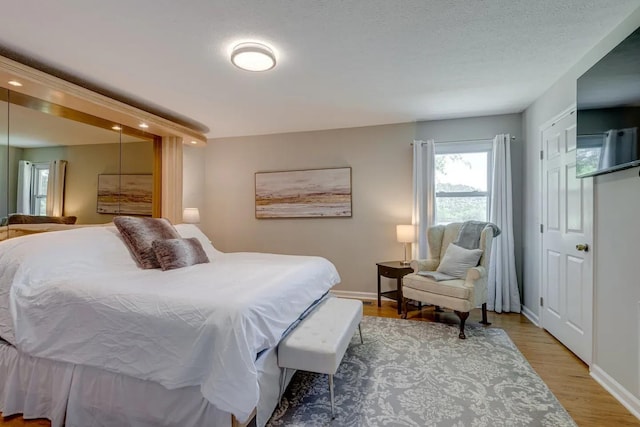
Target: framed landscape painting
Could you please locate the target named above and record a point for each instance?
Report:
(125, 194)
(310, 193)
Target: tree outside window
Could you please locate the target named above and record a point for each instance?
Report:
(39, 192)
(462, 182)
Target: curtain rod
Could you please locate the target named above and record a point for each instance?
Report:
(462, 140)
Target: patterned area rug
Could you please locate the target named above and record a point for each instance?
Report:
(410, 373)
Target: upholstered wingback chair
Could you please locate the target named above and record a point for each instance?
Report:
(460, 295)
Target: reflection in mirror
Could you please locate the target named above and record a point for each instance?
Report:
(608, 114)
(4, 161)
(60, 165)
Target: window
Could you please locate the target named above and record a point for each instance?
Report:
(462, 181)
(39, 181)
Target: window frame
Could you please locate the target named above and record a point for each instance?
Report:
(37, 193)
(466, 147)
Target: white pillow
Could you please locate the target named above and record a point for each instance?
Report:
(456, 261)
(190, 230)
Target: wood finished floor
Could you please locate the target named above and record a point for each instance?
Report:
(568, 378)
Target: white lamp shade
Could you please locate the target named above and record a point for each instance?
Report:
(405, 233)
(191, 216)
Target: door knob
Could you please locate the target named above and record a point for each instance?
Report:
(583, 247)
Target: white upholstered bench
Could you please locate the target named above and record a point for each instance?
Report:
(319, 342)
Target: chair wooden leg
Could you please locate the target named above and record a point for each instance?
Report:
(405, 309)
(463, 318)
(484, 315)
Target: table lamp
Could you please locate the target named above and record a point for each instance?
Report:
(191, 216)
(405, 234)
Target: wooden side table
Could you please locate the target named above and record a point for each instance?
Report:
(392, 270)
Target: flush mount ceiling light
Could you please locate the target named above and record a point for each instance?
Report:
(251, 56)
(15, 83)
(143, 125)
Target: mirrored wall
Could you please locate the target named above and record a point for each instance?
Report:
(70, 166)
(5, 171)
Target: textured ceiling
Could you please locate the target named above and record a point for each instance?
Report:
(340, 63)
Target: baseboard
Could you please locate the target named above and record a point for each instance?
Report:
(628, 400)
(530, 315)
(355, 295)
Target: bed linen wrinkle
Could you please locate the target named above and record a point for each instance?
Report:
(201, 325)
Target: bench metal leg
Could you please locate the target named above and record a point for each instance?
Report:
(331, 392)
(360, 330)
(283, 381)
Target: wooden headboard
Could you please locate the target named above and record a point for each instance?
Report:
(18, 230)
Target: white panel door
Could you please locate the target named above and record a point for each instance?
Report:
(567, 240)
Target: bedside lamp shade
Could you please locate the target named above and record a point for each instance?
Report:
(405, 233)
(191, 216)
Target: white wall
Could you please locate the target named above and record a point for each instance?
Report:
(380, 158)
(617, 278)
(617, 202)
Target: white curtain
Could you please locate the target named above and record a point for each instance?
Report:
(504, 294)
(424, 193)
(55, 187)
(24, 187)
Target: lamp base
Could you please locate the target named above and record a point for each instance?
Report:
(405, 262)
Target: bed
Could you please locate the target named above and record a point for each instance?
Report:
(79, 317)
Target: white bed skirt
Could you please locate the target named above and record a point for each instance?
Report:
(34, 387)
(80, 396)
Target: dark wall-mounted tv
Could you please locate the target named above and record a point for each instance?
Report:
(608, 122)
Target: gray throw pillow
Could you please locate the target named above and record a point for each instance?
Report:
(178, 253)
(139, 235)
(456, 261)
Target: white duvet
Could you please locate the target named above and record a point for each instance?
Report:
(77, 296)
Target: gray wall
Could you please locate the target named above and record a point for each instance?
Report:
(9, 158)
(4, 156)
(617, 202)
(15, 155)
(380, 158)
(193, 183)
(4, 176)
(85, 163)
